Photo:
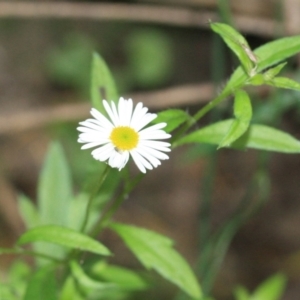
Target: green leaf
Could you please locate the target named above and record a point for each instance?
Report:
(85, 281)
(55, 188)
(257, 137)
(271, 289)
(285, 83)
(70, 291)
(54, 195)
(42, 285)
(102, 83)
(63, 236)
(238, 44)
(155, 251)
(173, 118)
(28, 211)
(124, 278)
(272, 72)
(268, 55)
(240, 293)
(243, 115)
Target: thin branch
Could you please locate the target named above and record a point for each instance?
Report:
(101, 11)
(157, 14)
(178, 96)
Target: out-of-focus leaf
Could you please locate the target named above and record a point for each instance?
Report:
(271, 289)
(238, 44)
(155, 251)
(173, 118)
(150, 57)
(243, 115)
(42, 285)
(70, 290)
(257, 136)
(124, 278)
(86, 281)
(69, 64)
(54, 195)
(63, 236)
(54, 188)
(28, 211)
(240, 293)
(102, 83)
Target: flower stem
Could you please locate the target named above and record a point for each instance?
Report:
(105, 218)
(92, 196)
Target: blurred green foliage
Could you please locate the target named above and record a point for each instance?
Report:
(68, 65)
(150, 57)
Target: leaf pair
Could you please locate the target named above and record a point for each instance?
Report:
(254, 62)
(152, 250)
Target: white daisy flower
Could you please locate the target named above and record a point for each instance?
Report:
(123, 135)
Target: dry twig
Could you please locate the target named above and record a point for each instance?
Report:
(131, 13)
(183, 95)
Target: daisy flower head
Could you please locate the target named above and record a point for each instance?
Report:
(124, 134)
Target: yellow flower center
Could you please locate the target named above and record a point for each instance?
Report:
(124, 138)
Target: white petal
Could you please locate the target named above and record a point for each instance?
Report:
(155, 127)
(103, 153)
(155, 135)
(87, 130)
(115, 112)
(137, 157)
(138, 114)
(103, 121)
(156, 153)
(125, 157)
(92, 137)
(151, 158)
(116, 160)
(145, 120)
(90, 144)
(114, 119)
(162, 146)
(138, 162)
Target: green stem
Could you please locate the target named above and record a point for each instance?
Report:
(92, 197)
(105, 218)
(203, 111)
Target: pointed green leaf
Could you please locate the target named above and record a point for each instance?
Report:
(271, 289)
(211, 134)
(173, 118)
(155, 251)
(28, 211)
(102, 83)
(243, 115)
(42, 285)
(257, 137)
(285, 83)
(124, 278)
(63, 236)
(54, 195)
(238, 44)
(272, 72)
(86, 281)
(268, 55)
(54, 188)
